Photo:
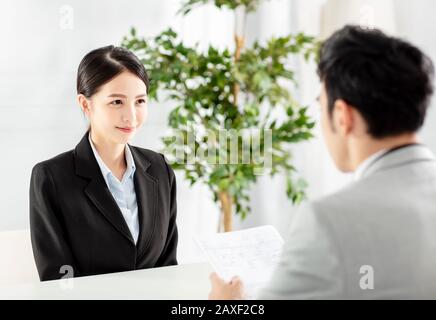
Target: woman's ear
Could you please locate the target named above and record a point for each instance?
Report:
(83, 103)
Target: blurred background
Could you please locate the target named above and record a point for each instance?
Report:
(44, 41)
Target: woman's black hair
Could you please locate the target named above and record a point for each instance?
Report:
(101, 65)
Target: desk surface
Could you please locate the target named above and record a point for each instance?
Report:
(189, 281)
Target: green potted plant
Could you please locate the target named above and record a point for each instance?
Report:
(220, 96)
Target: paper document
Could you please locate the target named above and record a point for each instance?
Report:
(250, 254)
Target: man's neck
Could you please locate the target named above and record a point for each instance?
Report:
(364, 149)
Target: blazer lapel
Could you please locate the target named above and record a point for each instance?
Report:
(146, 198)
(97, 190)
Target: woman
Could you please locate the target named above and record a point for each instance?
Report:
(105, 206)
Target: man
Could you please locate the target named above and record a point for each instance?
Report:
(375, 238)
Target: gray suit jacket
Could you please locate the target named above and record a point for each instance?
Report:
(375, 239)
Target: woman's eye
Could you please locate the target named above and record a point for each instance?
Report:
(141, 101)
(116, 102)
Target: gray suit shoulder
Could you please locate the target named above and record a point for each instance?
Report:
(355, 194)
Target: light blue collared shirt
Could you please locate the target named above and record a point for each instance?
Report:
(123, 191)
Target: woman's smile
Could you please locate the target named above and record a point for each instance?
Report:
(126, 129)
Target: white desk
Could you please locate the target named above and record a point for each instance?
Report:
(189, 281)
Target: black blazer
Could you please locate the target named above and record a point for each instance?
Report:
(75, 221)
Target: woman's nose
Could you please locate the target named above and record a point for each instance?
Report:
(129, 115)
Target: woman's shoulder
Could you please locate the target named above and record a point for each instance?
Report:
(157, 160)
(149, 155)
(57, 163)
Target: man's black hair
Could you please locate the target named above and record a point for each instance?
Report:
(388, 80)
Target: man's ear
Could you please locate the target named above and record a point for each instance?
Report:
(83, 103)
(343, 117)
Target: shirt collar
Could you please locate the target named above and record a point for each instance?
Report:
(358, 173)
(129, 160)
(105, 170)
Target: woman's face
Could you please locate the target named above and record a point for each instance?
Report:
(118, 109)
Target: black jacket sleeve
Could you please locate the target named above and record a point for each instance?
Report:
(169, 253)
(51, 251)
